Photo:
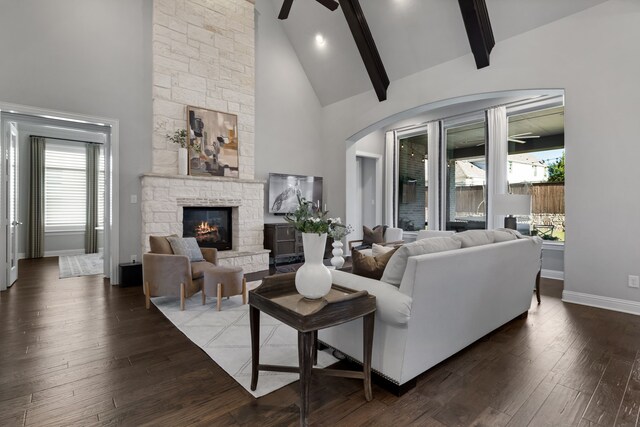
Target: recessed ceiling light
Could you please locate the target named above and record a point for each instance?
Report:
(320, 41)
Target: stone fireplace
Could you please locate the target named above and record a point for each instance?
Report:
(204, 56)
(211, 226)
(166, 198)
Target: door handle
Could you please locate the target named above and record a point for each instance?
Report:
(16, 223)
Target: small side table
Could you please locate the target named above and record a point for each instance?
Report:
(277, 297)
(130, 274)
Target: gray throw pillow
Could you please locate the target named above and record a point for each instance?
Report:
(398, 263)
(186, 246)
(371, 236)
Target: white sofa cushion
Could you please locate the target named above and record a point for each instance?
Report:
(516, 233)
(503, 236)
(395, 267)
(427, 234)
(392, 306)
(471, 238)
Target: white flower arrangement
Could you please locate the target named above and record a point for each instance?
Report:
(308, 218)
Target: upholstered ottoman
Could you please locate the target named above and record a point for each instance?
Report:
(224, 282)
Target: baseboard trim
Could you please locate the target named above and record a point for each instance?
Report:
(552, 274)
(615, 304)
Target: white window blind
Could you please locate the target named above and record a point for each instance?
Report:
(101, 189)
(65, 183)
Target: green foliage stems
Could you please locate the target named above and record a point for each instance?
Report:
(309, 218)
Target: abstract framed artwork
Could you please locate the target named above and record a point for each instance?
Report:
(213, 143)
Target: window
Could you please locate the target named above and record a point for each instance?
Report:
(101, 175)
(413, 181)
(466, 176)
(469, 159)
(65, 186)
(536, 149)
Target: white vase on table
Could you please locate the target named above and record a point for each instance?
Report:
(337, 261)
(313, 279)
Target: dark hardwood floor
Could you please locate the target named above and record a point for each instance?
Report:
(80, 352)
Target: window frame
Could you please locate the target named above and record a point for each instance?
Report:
(438, 161)
(65, 228)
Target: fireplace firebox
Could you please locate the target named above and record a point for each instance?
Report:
(210, 226)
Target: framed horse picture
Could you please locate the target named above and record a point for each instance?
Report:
(213, 143)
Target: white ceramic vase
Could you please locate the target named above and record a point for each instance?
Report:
(183, 157)
(337, 261)
(313, 279)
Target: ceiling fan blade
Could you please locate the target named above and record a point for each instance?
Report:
(520, 134)
(529, 137)
(329, 4)
(286, 8)
(519, 141)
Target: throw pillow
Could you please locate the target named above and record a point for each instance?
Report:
(160, 245)
(369, 236)
(369, 266)
(186, 246)
(398, 263)
(471, 238)
(377, 250)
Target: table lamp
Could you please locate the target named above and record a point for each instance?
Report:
(511, 205)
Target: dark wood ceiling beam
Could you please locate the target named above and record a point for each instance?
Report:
(286, 8)
(478, 26)
(329, 4)
(366, 45)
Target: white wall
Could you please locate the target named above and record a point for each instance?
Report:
(595, 57)
(288, 126)
(552, 262)
(90, 57)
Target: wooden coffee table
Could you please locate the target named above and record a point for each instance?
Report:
(277, 297)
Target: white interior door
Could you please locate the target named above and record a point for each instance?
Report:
(12, 203)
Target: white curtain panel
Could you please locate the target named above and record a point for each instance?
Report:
(497, 147)
(433, 167)
(390, 181)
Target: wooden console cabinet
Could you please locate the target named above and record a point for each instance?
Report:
(285, 243)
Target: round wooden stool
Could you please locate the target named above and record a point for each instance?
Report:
(225, 282)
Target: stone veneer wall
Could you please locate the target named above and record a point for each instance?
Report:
(203, 56)
(163, 197)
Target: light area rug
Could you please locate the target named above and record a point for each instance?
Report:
(80, 265)
(226, 337)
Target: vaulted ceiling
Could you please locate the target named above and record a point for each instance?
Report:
(411, 35)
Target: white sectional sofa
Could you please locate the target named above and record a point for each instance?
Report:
(444, 302)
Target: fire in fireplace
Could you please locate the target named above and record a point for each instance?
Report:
(210, 226)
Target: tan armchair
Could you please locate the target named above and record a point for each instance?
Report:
(167, 274)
